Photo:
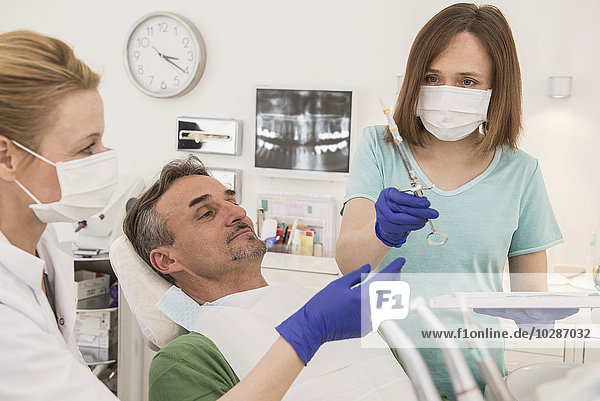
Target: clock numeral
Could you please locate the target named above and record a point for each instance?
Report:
(141, 69)
(175, 29)
(149, 31)
(136, 54)
(186, 42)
(151, 79)
(143, 42)
(176, 81)
(187, 70)
(163, 85)
(190, 56)
(162, 27)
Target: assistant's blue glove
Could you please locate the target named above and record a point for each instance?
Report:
(398, 213)
(337, 312)
(530, 318)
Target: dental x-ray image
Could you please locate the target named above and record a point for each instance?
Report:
(303, 129)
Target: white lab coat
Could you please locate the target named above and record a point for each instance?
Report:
(39, 360)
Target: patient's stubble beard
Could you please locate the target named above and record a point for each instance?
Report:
(254, 248)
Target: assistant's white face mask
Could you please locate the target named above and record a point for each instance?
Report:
(86, 186)
(452, 113)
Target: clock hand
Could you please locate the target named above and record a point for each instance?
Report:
(164, 55)
(159, 53)
(169, 61)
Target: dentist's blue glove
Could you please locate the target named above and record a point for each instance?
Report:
(530, 318)
(337, 312)
(399, 213)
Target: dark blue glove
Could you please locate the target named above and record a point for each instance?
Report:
(530, 318)
(337, 312)
(399, 213)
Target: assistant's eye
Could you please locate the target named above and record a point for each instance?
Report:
(88, 150)
(468, 82)
(431, 79)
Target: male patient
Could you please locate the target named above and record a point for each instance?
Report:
(190, 229)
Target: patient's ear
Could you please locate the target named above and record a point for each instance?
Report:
(161, 261)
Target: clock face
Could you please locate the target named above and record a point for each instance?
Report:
(164, 55)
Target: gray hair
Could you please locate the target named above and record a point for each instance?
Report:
(142, 226)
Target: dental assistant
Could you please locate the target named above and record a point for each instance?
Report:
(459, 112)
(54, 168)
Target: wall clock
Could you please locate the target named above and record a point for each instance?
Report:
(164, 55)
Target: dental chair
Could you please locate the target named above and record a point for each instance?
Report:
(142, 289)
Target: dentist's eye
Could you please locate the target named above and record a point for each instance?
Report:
(431, 79)
(468, 82)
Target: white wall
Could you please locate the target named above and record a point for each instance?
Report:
(355, 44)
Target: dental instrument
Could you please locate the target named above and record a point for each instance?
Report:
(415, 184)
(485, 363)
(465, 387)
(592, 267)
(416, 369)
(591, 257)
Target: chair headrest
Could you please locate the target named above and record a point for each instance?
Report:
(143, 288)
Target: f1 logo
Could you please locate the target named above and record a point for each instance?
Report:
(389, 300)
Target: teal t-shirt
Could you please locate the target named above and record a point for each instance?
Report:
(503, 212)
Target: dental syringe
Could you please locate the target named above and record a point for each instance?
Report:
(415, 184)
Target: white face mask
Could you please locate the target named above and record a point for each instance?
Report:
(452, 113)
(86, 186)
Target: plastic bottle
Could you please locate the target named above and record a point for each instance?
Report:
(306, 244)
(296, 243)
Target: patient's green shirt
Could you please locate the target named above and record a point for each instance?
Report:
(191, 367)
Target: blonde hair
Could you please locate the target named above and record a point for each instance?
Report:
(36, 71)
(490, 26)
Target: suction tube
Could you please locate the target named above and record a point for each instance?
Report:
(412, 359)
(465, 387)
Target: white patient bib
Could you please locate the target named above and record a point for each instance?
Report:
(242, 326)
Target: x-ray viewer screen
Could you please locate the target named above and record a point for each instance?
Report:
(303, 129)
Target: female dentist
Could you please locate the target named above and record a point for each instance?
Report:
(54, 168)
(459, 112)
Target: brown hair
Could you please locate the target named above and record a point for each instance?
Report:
(142, 226)
(35, 72)
(490, 26)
